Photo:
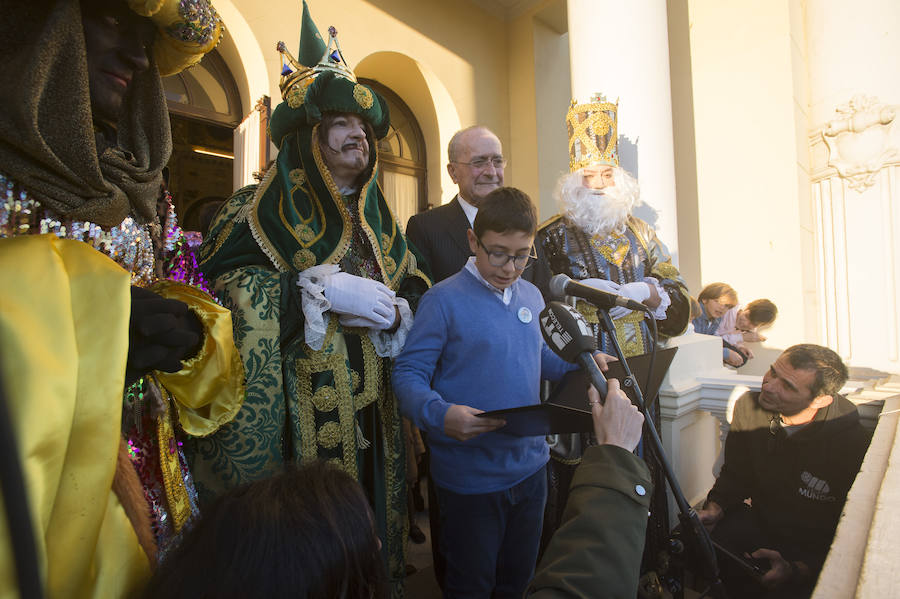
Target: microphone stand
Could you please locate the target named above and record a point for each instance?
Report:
(686, 514)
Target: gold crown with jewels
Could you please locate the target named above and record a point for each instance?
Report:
(187, 30)
(593, 133)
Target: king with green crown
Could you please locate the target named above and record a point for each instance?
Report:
(322, 284)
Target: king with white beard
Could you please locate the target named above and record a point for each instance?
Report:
(595, 239)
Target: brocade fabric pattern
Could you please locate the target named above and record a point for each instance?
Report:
(333, 404)
(635, 255)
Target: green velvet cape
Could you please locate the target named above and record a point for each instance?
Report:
(335, 403)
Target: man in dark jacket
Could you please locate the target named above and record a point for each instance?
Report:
(793, 450)
(476, 166)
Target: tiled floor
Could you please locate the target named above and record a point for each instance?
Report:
(422, 584)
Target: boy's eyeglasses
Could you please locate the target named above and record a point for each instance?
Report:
(497, 162)
(499, 259)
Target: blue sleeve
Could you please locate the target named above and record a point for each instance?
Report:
(698, 325)
(414, 367)
(552, 366)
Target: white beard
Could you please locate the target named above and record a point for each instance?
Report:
(598, 211)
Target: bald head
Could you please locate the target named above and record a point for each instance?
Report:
(464, 137)
(480, 146)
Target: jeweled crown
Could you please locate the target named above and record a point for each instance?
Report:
(296, 77)
(187, 30)
(593, 133)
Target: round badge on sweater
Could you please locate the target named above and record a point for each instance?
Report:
(524, 314)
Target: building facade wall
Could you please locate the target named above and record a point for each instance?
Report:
(746, 87)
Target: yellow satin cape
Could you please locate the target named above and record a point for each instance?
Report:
(209, 389)
(64, 311)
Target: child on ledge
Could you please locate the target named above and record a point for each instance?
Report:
(741, 325)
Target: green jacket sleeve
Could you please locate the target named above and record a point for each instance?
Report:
(596, 552)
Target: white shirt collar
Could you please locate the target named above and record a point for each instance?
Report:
(468, 209)
(505, 295)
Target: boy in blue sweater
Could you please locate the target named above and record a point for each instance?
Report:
(476, 346)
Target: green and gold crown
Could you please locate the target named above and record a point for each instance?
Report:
(315, 57)
(593, 134)
(318, 80)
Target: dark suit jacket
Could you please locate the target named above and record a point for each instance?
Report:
(440, 235)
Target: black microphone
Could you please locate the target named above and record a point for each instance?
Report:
(562, 285)
(567, 333)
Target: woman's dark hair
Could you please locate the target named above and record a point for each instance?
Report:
(307, 533)
(506, 209)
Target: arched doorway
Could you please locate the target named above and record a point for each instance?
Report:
(403, 177)
(204, 108)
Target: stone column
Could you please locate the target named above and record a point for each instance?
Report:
(621, 49)
(855, 170)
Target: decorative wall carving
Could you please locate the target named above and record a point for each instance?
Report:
(862, 140)
(855, 189)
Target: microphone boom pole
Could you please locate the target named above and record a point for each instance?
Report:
(568, 340)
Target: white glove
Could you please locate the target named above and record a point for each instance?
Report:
(610, 287)
(381, 324)
(602, 285)
(360, 297)
(637, 291)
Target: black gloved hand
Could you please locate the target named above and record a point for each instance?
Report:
(162, 333)
(736, 350)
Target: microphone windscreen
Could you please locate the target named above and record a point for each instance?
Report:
(558, 286)
(566, 331)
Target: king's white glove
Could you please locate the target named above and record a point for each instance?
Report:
(602, 285)
(365, 301)
(380, 324)
(637, 291)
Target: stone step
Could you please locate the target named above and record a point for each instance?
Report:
(869, 389)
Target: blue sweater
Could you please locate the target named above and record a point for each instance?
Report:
(467, 347)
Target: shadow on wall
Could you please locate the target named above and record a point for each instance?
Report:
(628, 159)
(628, 155)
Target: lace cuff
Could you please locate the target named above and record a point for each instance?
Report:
(664, 300)
(314, 303)
(389, 345)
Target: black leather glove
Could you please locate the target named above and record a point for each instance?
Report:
(736, 350)
(162, 333)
